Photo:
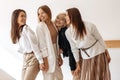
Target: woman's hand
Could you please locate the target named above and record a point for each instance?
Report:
(77, 70)
(44, 66)
(60, 51)
(46, 63)
(60, 61)
(107, 55)
(72, 72)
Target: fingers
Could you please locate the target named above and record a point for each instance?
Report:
(107, 55)
(60, 61)
(42, 67)
(46, 67)
(59, 64)
(72, 73)
(109, 60)
(77, 70)
(75, 73)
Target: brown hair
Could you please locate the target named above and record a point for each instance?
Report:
(77, 22)
(15, 34)
(46, 9)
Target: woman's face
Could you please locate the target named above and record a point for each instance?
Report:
(42, 15)
(67, 19)
(21, 19)
(60, 21)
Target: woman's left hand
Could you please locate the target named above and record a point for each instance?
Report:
(77, 70)
(107, 55)
(60, 61)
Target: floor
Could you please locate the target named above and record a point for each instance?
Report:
(11, 66)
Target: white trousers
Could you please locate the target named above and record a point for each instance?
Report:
(57, 75)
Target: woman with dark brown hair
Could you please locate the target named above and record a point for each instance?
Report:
(84, 37)
(47, 37)
(22, 35)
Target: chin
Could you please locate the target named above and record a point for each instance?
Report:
(43, 20)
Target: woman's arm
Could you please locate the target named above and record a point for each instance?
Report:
(41, 37)
(97, 35)
(74, 49)
(34, 44)
(40, 32)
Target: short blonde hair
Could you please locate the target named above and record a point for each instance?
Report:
(62, 16)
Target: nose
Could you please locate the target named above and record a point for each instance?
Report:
(57, 20)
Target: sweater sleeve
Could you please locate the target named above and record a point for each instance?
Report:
(40, 32)
(34, 44)
(97, 35)
(74, 49)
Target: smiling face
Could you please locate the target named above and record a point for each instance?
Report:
(60, 20)
(42, 15)
(21, 19)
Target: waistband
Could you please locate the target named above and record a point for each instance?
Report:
(29, 53)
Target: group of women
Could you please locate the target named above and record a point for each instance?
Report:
(68, 35)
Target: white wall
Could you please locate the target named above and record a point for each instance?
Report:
(115, 64)
(105, 14)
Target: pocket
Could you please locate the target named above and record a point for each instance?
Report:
(32, 60)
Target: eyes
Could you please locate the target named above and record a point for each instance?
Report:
(22, 15)
(41, 12)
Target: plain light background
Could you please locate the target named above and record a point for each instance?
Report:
(105, 14)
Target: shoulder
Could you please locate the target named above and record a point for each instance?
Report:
(89, 25)
(40, 26)
(28, 30)
(68, 31)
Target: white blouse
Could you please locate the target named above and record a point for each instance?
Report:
(46, 45)
(89, 39)
(28, 43)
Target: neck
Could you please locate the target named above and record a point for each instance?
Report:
(58, 28)
(68, 25)
(48, 22)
